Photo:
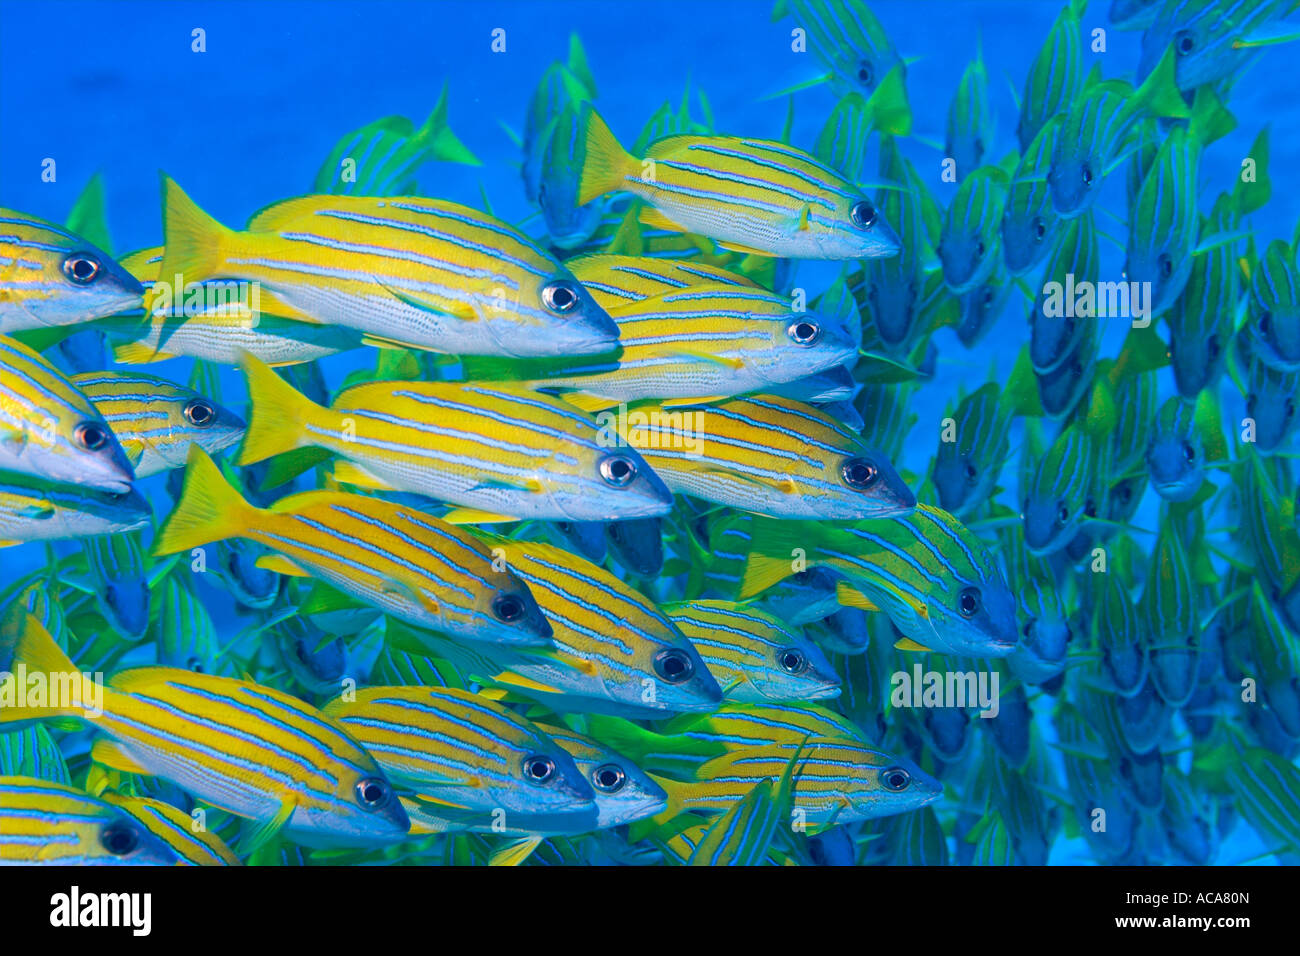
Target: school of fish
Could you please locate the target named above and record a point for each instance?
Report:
(618, 545)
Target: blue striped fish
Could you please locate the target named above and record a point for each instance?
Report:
(1201, 319)
(971, 244)
(53, 824)
(753, 196)
(494, 450)
(50, 276)
(50, 429)
(1213, 39)
(1030, 225)
(846, 36)
(765, 454)
(1274, 326)
(754, 656)
(1056, 75)
(240, 746)
(407, 563)
(422, 272)
(156, 421)
(971, 123)
(35, 510)
(1064, 492)
(966, 469)
(468, 763)
(193, 845)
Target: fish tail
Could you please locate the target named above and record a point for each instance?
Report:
(1159, 94)
(443, 143)
(194, 240)
(773, 548)
(278, 414)
(607, 163)
(25, 643)
(210, 508)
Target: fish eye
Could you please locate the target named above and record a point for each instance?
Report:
(1062, 513)
(1265, 322)
(81, 268)
(539, 769)
(119, 839)
(1028, 629)
(980, 250)
(1166, 265)
(969, 602)
(1040, 229)
(200, 413)
(560, 296)
(1184, 42)
(1250, 402)
(792, 660)
(895, 779)
(617, 470)
(90, 436)
(859, 473)
(1212, 346)
(972, 473)
(373, 793)
(564, 527)
(865, 73)
(615, 533)
(674, 666)
(988, 297)
(1086, 173)
(1077, 368)
(508, 607)
(863, 214)
(1125, 493)
(608, 778)
(872, 293)
(804, 332)
(194, 664)
(1189, 452)
(1090, 508)
(1290, 408)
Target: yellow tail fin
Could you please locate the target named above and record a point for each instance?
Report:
(606, 163)
(279, 413)
(210, 509)
(26, 650)
(195, 242)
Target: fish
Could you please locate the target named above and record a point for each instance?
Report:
(1276, 661)
(890, 288)
(563, 86)
(774, 200)
(753, 655)
(971, 244)
(408, 563)
(1055, 78)
(52, 277)
(937, 582)
(468, 763)
(1096, 127)
(568, 222)
(489, 449)
(120, 581)
(614, 650)
(764, 454)
(219, 327)
(1269, 394)
(1275, 309)
(706, 341)
(971, 124)
(187, 636)
(53, 824)
(835, 781)
(1059, 324)
(237, 745)
(637, 544)
(156, 421)
(1064, 492)
(1188, 438)
(1030, 226)
(36, 510)
(1169, 609)
(193, 845)
(50, 429)
(1212, 39)
(966, 469)
(624, 793)
(848, 39)
(1117, 625)
(423, 272)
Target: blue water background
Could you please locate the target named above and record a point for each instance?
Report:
(114, 87)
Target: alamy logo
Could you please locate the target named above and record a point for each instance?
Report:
(57, 690)
(133, 910)
(923, 688)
